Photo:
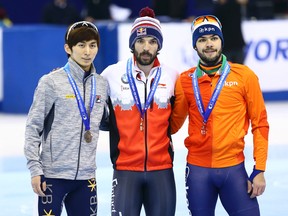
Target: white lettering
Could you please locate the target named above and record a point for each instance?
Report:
(114, 184)
(93, 201)
(187, 188)
(231, 83)
(48, 198)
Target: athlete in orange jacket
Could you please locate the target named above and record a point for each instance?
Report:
(221, 99)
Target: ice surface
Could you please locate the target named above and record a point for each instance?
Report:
(17, 198)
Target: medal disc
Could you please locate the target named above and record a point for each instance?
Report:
(88, 136)
(203, 130)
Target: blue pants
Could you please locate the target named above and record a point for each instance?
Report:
(155, 190)
(78, 196)
(204, 185)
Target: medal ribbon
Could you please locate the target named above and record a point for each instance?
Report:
(80, 102)
(205, 114)
(135, 91)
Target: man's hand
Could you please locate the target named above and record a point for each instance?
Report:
(257, 187)
(38, 188)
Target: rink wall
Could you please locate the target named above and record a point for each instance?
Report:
(29, 51)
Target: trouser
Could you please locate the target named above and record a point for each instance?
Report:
(155, 190)
(205, 185)
(78, 196)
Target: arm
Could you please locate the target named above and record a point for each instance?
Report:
(104, 124)
(180, 108)
(258, 117)
(42, 102)
(260, 129)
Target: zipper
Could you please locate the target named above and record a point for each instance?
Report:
(144, 122)
(145, 130)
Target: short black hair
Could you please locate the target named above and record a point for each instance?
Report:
(79, 34)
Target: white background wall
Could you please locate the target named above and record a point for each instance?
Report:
(267, 54)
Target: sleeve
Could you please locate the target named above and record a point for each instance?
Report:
(41, 105)
(180, 108)
(258, 117)
(104, 124)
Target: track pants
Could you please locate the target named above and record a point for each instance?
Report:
(155, 190)
(204, 185)
(78, 196)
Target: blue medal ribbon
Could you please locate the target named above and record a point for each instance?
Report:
(205, 114)
(83, 112)
(135, 91)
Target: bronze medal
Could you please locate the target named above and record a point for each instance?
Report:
(141, 124)
(88, 136)
(203, 130)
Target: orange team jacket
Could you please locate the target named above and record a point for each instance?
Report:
(130, 147)
(240, 103)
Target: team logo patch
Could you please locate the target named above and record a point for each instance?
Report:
(70, 96)
(92, 184)
(124, 78)
(141, 31)
(98, 98)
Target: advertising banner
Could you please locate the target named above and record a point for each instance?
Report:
(267, 49)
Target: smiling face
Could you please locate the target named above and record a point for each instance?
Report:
(83, 53)
(209, 49)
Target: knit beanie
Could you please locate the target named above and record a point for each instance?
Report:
(205, 25)
(146, 25)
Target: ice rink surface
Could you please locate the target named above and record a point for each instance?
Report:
(17, 198)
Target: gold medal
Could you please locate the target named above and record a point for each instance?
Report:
(88, 136)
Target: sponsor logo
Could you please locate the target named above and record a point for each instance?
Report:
(93, 202)
(114, 185)
(98, 98)
(141, 31)
(231, 83)
(206, 29)
(48, 213)
(187, 187)
(125, 88)
(161, 85)
(124, 78)
(48, 199)
(70, 96)
(92, 184)
(93, 199)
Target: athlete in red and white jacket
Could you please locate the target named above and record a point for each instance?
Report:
(140, 93)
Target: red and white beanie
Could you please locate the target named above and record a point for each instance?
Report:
(146, 25)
